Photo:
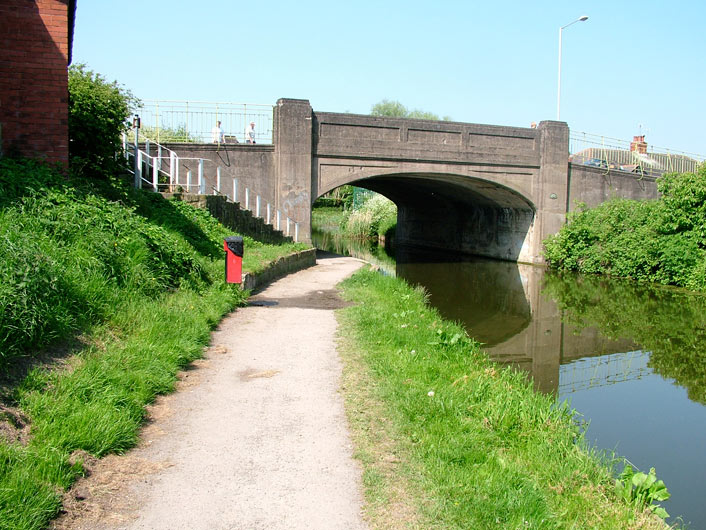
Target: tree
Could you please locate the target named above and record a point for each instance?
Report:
(98, 111)
(395, 109)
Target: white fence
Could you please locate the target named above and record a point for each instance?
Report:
(160, 169)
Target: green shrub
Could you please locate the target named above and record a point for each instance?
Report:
(684, 199)
(97, 114)
(70, 257)
(660, 240)
(366, 222)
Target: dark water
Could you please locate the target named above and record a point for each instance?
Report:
(630, 358)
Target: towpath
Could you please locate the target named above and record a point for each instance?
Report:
(254, 438)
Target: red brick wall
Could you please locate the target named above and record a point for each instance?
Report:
(34, 48)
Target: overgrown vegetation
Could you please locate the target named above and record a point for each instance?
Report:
(661, 240)
(105, 294)
(474, 442)
(376, 217)
(373, 219)
(72, 252)
(97, 113)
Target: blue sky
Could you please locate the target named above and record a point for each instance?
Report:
(633, 67)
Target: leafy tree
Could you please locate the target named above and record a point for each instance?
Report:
(340, 197)
(98, 111)
(684, 198)
(396, 109)
(169, 134)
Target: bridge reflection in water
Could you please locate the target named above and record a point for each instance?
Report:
(500, 304)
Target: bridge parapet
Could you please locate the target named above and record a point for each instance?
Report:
(383, 138)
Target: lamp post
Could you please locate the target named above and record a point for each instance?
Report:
(558, 90)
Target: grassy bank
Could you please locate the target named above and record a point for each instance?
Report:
(661, 241)
(448, 439)
(105, 294)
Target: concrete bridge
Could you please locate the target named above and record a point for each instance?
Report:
(479, 189)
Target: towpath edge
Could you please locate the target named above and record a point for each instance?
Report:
(256, 436)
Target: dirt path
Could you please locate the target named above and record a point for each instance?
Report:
(256, 436)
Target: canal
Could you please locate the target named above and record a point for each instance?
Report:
(629, 358)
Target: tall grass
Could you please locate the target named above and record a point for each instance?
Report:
(139, 278)
(374, 218)
(483, 449)
(72, 253)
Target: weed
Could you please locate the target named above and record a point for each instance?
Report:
(642, 490)
(660, 240)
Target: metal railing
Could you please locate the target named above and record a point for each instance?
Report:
(194, 121)
(158, 168)
(614, 154)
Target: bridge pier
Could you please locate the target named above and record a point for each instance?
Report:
(551, 188)
(293, 162)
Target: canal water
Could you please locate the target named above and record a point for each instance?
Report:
(629, 358)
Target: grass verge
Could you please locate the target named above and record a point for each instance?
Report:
(133, 282)
(461, 443)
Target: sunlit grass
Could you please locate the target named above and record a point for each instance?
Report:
(138, 278)
(477, 446)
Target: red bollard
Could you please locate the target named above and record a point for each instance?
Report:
(233, 245)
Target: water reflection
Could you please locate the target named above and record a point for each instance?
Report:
(540, 322)
(669, 323)
(501, 305)
(363, 249)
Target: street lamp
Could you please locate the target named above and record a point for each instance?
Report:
(558, 91)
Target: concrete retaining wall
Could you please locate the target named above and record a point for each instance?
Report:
(251, 165)
(593, 186)
(232, 216)
(280, 267)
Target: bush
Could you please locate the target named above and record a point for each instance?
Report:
(98, 111)
(660, 240)
(367, 221)
(684, 200)
(70, 257)
(339, 198)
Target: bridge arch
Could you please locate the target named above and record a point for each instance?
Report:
(453, 212)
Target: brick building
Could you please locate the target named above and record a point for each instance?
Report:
(35, 51)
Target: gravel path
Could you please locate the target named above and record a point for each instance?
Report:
(256, 437)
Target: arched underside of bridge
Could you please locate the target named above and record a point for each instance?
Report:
(457, 213)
